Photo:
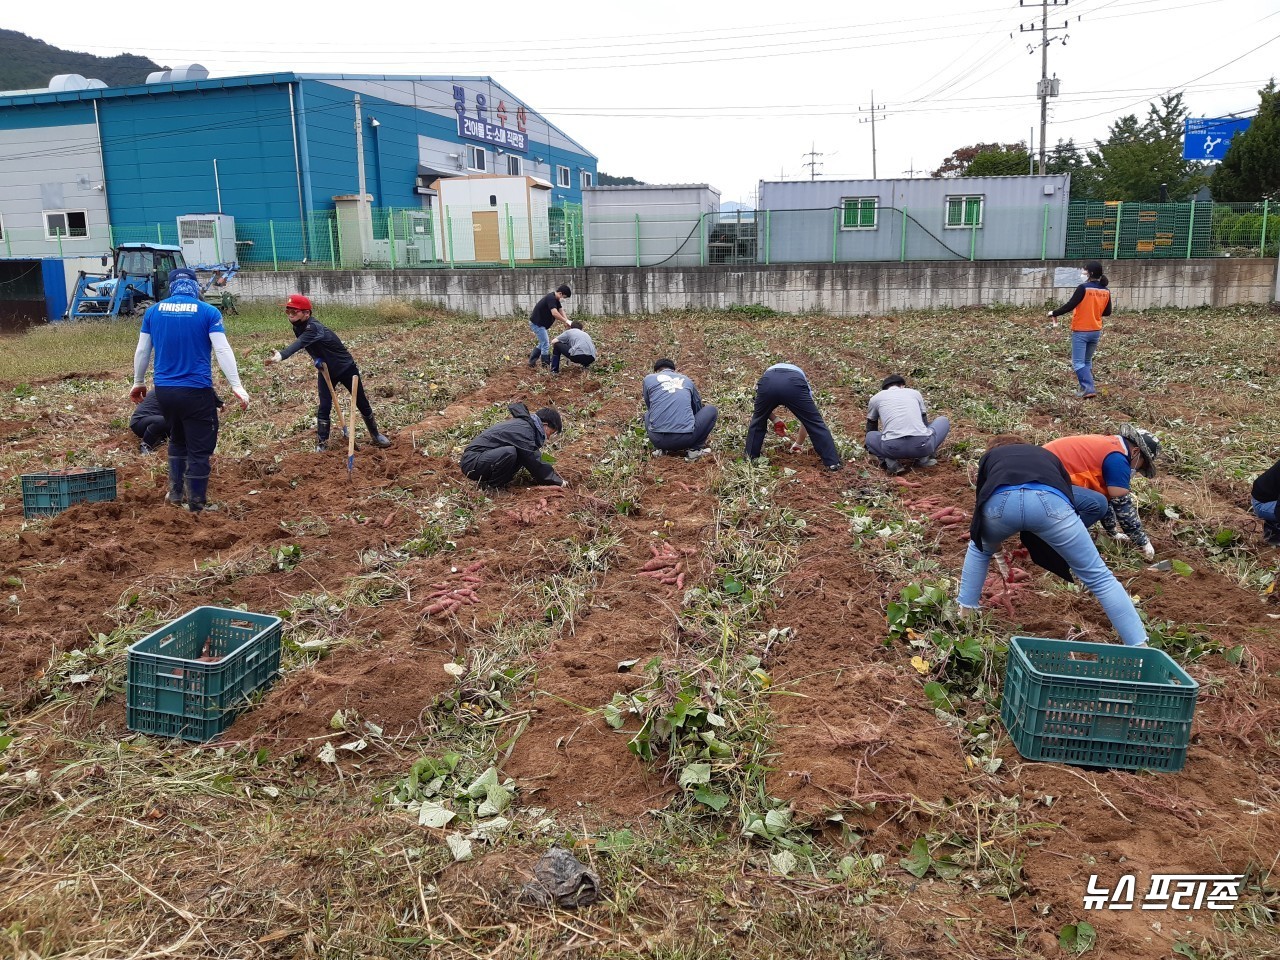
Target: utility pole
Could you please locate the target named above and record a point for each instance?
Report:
(911, 171)
(872, 110)
(812, 164)
(1047, 88)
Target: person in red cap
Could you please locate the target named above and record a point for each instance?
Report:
(326, 349)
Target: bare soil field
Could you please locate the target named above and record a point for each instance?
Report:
(795, 751)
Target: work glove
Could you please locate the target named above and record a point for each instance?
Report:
(318, 363)
(274, 358)
(138, 393)
(1119, 536)
(780, 428)
(796, 448)
(1149, 551)
(242, 395)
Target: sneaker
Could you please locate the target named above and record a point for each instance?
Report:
(695, 454)
(659, 453)
(381, 440)
(835, 467)
(321, 447)
(927, 462)
(1271, 535)
(145, 448)
(892, 467)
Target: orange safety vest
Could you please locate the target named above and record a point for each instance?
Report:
(1082, 457)
(1088, 316)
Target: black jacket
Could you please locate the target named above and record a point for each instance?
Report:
(1267, 487)
(323, 344)
(1016, 464)
(524, 432)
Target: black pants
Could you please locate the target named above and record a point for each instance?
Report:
(192, 416)
(788, 388)
(150, 430)
(704, 422)
(496, 467)
(345, 377)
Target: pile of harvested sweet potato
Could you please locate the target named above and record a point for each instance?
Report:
(448, 597)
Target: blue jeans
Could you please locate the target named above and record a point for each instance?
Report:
(1266, 512)
(1051, 518)
(543, 348)
(1091, 506)
(1084, 344)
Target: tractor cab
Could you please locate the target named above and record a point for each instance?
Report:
(138, 277)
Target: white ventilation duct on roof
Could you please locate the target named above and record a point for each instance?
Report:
(66, 82)
(160, 76)
(189, 71)
(94, 84)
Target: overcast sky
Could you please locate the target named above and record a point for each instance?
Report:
(703, 91)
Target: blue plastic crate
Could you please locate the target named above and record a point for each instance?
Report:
(173, 693)
(1098, 704)
(44, 494)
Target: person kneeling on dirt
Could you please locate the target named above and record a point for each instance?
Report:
(1024, 489)
(675, 418)
(1265, 493)
(148, 423)
(1101, 469)
(327, 351)
(496, 456)
(575, 343)
(785, 385)
(898, 427)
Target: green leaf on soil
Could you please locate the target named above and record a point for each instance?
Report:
(714, 799)
(1182, 569)
(1077, 938)
(695, 774)
(918, 861)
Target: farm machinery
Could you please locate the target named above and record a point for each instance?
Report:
(138, 276)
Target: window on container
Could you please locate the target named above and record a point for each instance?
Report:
(858, 213)
(586, 178)
(475, 158)
(65, 223)
(964, 211)
(562, 177)
(515, 166)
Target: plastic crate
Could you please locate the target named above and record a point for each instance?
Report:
(44, 494)
(1098, 704)
(173, 693)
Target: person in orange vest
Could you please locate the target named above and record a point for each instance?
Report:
(1088, 305)
(1101, 469)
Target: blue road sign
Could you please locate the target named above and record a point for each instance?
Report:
(1207, 138)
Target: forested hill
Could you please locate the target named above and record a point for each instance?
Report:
(27, 63)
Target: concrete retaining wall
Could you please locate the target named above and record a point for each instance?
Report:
(839, 289)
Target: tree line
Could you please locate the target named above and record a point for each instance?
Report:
(1139, 157)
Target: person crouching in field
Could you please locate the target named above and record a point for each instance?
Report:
(785, 385)
(576, 344)
(326, 350)
(1265, 493)
(1024, 489)
(498, 454)
(898, 427)
(675, 418)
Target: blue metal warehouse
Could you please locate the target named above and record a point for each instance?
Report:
(80, 161)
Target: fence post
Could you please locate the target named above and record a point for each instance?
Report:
(973, 240)
(511, 238)
(835, 233)
(1262, 247)
(1044, 235)
(902, 254)
(333, 260)
(768, 236)
(391, 235)
(275, 260)
(1115, 237)
(1191, 229)
(159, 235)
(637, 239)
(448, 217)
(702, 239)
(60, 254)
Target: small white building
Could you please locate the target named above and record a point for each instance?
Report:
(646, 225)
(492, 218)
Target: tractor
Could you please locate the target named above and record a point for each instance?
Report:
(138, 277)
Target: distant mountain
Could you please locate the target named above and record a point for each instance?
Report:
(27, 63)
(605, 180)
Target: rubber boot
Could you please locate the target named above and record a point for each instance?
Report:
(375, 437)
(533, 357)
(197, 494)
(177, 472)
(322, 435)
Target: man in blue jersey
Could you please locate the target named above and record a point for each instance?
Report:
(182, 330)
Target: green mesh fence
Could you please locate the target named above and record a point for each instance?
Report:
(502, 236)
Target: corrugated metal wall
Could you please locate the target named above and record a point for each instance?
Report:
(646, 225)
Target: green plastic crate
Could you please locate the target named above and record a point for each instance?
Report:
(44, 494)
(1098, 704)
(172, 693)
